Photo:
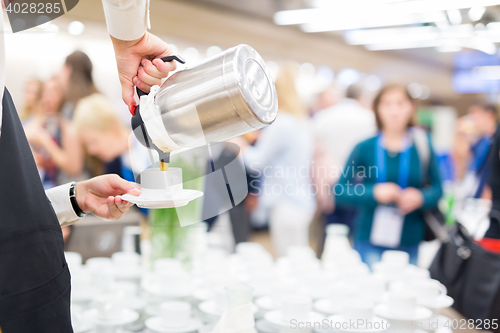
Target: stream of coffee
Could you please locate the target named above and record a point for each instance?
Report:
(163, 166)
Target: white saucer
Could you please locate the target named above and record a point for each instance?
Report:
(134, 303)
(266, 303)
(83, 294)
(201, 294)
(421, 313)
(155, 289)
(263, 326)
(383, 325)
(82, 327)
(443, 301)
(155, 324)
(443, 323)
(325, 306)
(210, 307)
(274, 317)
(128, 316)
(179, 200)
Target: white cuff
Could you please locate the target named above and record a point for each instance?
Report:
(59, 197)
(127, 20)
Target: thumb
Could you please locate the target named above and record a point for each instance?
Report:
(123, 186)
(128, 92)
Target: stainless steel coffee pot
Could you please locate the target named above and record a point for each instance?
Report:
(223, 97)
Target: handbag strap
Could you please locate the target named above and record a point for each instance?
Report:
(422, 144)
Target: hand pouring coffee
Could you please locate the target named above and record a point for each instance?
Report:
(225, 96)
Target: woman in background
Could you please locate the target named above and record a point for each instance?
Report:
(76, 76)
(384, 180)
(282, 157)
(56, 147)
(32, 97)
(104, 137)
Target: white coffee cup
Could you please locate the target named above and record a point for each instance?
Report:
(393, 258)
(428, 291)
(168, 265)
(220, 299)
(402, 302)
(342, 292)
(175, 313)
(125, 258)
(157, 184)
(356, 309)
(296, 307)
(372, 288)
(109, 306)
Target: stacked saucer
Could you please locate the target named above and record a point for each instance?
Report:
(402, 309)
(79, 325)
(339, 293)
(174, 317)
(432, 295)
(393, 265)
(294, 309)
(358, 316)
(109, 313)
(127, 266)
(213, 309)
(169, 280)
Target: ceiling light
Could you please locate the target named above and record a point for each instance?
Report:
(212, 51)
(454, 16)
(373, 83)
(347, 77)
(476, 13)
(191, 54)
(369, 9)
(307, 69)
(426, 92)
(390, 35)
(76, 28)
(415, 90)
(353, 21)
(476, 43)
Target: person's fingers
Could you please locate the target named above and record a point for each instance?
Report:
(122, 186)
(113, 211)
(121, 204)
(158, 68)
(163, 67)
(141, 85)
(146, 78)
(127, 91)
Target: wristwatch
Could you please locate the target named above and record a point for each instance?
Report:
(74, 203)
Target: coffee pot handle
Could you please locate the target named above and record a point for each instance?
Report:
(165, 59)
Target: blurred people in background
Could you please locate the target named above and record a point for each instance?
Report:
(32, 97)
(383, 179)
(491, 240)
(465, 134)
(76, 76)
(56, 148)
(327, 98)
(282, 157)
(338, 129)
(484, 116)
(105, 137)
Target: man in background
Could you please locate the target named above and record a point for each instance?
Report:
(339, 128)
(484, 116)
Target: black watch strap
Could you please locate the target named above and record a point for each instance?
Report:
(72, 198)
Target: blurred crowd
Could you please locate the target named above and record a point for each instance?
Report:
(337, 160)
